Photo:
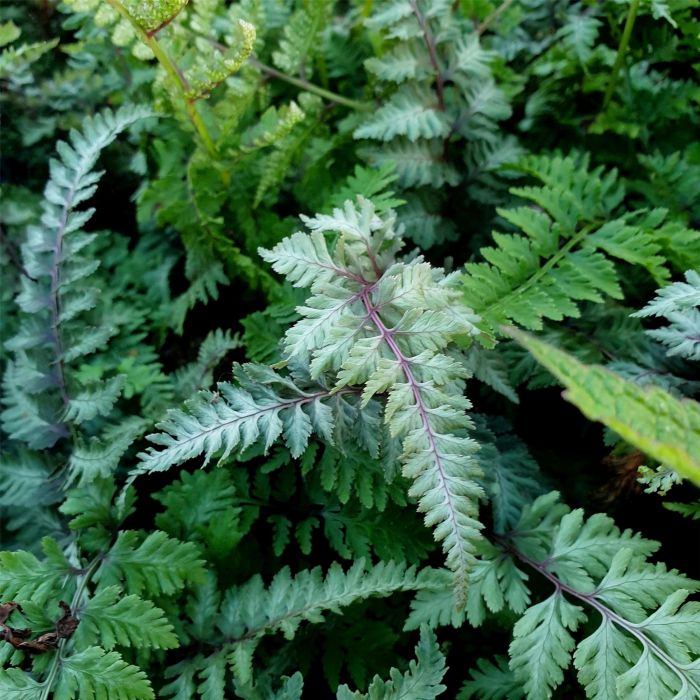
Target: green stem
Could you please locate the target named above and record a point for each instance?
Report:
(310, 87)
(173, 73)
(47, 689)
(481, 28)
(621, 50)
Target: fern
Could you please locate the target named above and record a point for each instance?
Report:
(56, 297)
(679, 304)
(307, 597)
(124, 620)
(130, 571)
(492, 681)
(84, 665)
(631, 653)
(301, 38)
(437, 90)
(422, 681)
(157, 565)
(594, 567)
(566, 255)
(94, 673)
(373, 323)
(630, 410)
(380, 341)
(264, 406)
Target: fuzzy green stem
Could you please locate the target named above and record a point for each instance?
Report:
(173, 73)
(621, 50)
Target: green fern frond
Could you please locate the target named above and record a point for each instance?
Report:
(646, 644)
(111, 618)
(55, 294)
(251, 611)
(212, 67)
(511, 476)
(630, 410)
(199, 374)
(417, 164)
(150, 16)
(94, 673)
(372, 184)
(155, 564)
(566, 253)
(24, 578)
(422, 681)
(300, 42)
(411, 112)
(16, 60)
(492, 681)
(17, 685)
(264, 406)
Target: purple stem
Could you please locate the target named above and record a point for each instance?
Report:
(605, 612)
(55, 307)
(387, 335)
(432, 52)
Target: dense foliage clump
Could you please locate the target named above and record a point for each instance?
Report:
(290, 291)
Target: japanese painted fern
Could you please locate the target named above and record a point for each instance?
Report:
(376, 335)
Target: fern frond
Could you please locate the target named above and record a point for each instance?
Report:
(157, 564)
(579, 34)
(422, 681)
(24, 578)
(15, 60)
(385, 326)
(564, 256)
(111, 618)
(199, 374)
(94, 673)
(212, 67)
(17, 685)
(301, 38)
(646, 644)
(417, 163)
(372, 184)
(492, 681)
(679, 304)
(265, 405)
(630, 410)
(251, 611)
(55, 296)
(150, 16)
(98, 457)
(511, 476)
(402, 63)
(411, 112)
(25, 481)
